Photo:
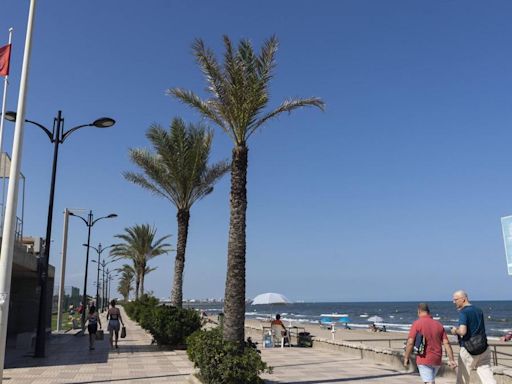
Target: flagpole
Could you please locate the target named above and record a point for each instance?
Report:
(2, 120)
(7, 249)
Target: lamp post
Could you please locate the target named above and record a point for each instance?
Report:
(109, 279)
(57, 136)
(89, 222)
(104, 271)
(99, 250)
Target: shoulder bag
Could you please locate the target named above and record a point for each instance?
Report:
(476, 344)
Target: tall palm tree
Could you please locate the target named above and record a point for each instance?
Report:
(179, 172)
(126, 280)
(239, 93)
(139, 245)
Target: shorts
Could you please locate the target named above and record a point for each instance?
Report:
(92, 328)
(113, 325)
(428, 372)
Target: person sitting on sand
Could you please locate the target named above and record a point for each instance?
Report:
(372, 327)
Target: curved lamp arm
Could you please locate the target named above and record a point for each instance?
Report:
(46, 130)
(111, 216)
(69, 132)
(90, 246)
(75, 215)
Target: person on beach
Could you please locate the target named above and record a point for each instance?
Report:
(92, 325)
(433, 331)
(114, 323)
(277, 322)
(471, 322)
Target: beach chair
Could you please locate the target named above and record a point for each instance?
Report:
(278, 337)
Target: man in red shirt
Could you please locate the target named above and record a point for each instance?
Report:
(435, 337)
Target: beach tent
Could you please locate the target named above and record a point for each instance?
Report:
(375, 319)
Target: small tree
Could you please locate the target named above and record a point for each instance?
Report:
(139, 245)
(179, 172)
(126, 280)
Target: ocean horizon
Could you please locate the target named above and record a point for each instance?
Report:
(396, 315)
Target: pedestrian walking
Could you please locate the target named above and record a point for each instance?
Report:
(474, 351)
(93, 320)
(114, 323)
(431, 333)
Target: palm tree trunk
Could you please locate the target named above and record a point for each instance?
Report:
(137, 284)
(142, 283)
(183, 217)
(234, 300)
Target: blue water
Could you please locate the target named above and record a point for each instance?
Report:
(396, 316)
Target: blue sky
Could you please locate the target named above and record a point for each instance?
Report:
(395, 192)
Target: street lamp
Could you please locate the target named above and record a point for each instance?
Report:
(99, 250)
(89, 222)
(109, 279)
(57, 136)
(103, 284)
(103, 270)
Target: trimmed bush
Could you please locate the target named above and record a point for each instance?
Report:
(220, 362)
(170, 325)
(139, 308)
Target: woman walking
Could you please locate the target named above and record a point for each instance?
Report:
(114, 323)
(93, 320)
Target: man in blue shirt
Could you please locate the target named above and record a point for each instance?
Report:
(471, 322)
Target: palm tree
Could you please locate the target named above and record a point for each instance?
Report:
(239, 93)
(126, 280)
(180, 173)
(139, 245)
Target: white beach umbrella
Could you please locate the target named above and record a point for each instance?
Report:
(270, 298)
(375, 319)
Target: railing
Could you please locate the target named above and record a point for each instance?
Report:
(499, 356)
(501, 352)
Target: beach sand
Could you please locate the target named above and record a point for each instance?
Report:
(393, 340)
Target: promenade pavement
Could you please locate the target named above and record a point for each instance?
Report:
(69, 361)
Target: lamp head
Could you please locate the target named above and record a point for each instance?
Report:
(10, 115)
(104, 122)
(111, 216)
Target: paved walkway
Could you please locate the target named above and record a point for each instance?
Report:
(69, 361)
(314, 366)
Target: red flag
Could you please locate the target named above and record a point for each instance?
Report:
(5, 58)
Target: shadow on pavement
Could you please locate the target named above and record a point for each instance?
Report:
(61, 349)
(339, 380)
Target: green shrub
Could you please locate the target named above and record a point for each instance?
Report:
(220, 362)
(170, 325)
(142, 307)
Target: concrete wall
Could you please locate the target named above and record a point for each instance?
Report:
(24, 303)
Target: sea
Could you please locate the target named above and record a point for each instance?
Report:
(396, 316)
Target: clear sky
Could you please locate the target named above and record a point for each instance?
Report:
(395, 192)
